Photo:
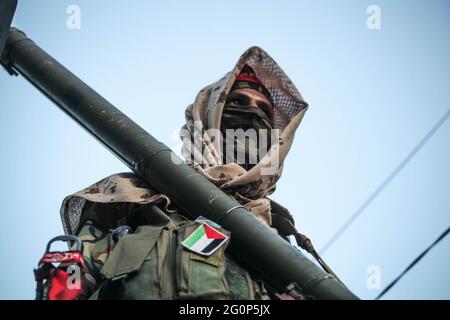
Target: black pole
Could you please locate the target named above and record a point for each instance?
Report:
(273, 259)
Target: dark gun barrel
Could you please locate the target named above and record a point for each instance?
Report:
(259, 249)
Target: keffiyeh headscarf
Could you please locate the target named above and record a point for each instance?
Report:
(248, 187)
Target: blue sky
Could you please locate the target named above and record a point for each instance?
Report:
(373, 95)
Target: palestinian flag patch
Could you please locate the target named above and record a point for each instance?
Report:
(205, 240)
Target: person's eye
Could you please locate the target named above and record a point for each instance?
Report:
(236, 102)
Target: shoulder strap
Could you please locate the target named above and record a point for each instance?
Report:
(282, 220)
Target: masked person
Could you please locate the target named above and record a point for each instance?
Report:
(138, 245)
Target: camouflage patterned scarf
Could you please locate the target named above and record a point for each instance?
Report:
(251, 187)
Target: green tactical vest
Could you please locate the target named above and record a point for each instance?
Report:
(151, 263)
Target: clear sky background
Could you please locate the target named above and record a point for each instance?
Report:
(373, 95)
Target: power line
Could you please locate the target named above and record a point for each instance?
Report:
(385, 183)
(412, 264)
